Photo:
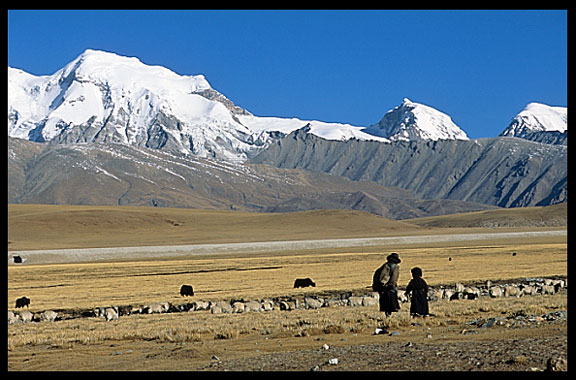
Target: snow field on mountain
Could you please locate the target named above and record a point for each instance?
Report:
(538, 117)
(104, 97)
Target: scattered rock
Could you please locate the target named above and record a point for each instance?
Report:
(557, 364)
(528, 286)
(49, 316)
(520, 319)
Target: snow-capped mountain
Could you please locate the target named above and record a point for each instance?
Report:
(414, 121)
(537, 117)
(104, 97)
(124, 106)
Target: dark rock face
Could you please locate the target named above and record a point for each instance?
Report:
(504, 171)
(117, 174)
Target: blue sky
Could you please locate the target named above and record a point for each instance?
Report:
(480, 67)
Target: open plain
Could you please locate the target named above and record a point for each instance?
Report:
(524, 332)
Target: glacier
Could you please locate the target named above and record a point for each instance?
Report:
(103, 97)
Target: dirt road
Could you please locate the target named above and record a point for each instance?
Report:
(98, 254)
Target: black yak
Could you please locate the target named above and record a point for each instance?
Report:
(303, 283)
(21, 302)
(186, 290)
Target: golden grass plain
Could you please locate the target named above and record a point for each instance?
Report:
(58, 227)
(91, 343)
(87, 285)
(83, 285)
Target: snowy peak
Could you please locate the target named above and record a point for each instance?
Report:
(415, 121)
(102, 97)
(100, 66)
(537, 117)
(105, 97)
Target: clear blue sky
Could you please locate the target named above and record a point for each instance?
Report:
(480, 67)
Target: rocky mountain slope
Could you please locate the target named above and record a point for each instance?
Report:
(505, 172)
(117, 174)
(116, 131)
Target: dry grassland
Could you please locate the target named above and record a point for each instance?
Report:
(556, 215)
(189, 340)
(202, 326)
(90, 285)
(59, 227)
(43, 227)
(250, 275)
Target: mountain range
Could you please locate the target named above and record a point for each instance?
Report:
(107, 129)
(504, 172)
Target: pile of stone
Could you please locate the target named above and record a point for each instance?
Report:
(525, 287)
(529, 286)
(25, 316)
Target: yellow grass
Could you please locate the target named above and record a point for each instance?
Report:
(56, 226)
(89, 343)
(202, 326)
(222, 277)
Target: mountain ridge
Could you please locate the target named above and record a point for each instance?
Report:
(104, 97)
(116, 174)
(500, 171)
(150, 136)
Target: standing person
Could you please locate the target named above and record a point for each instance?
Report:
(419, 297)
(385, 282)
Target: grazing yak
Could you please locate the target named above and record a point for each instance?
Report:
(186, 290)
(303, 283)
(21, 302)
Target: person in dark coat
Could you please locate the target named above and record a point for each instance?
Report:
(385, 282)
(417, 290)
